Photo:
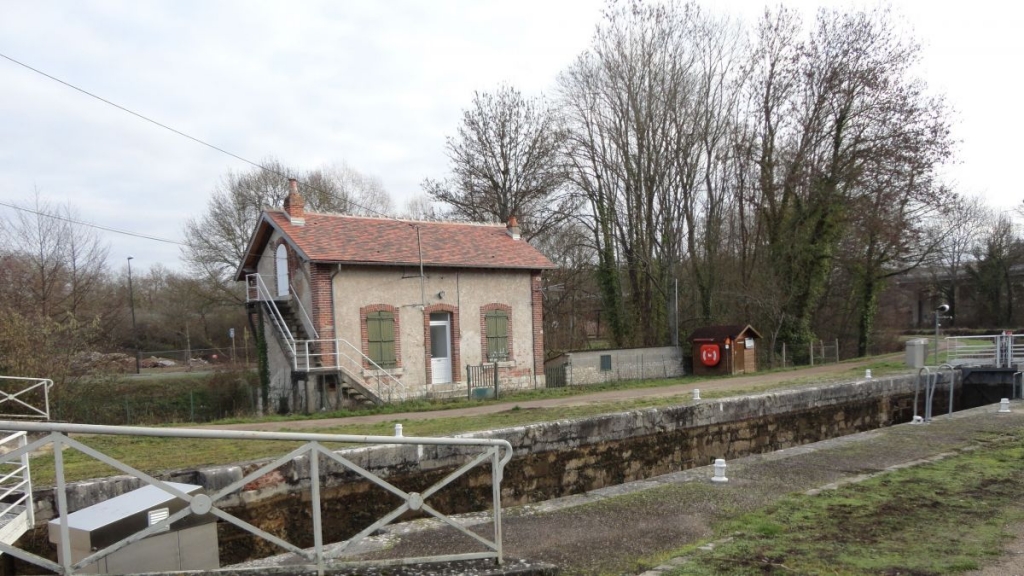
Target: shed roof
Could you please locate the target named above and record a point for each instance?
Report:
(335, 238)
(720, 333)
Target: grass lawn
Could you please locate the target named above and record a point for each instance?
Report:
(941, 518)
(159, 454)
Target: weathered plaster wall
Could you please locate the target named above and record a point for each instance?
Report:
(551, 459)
(628, 364)
(466, 290)
(280, 366)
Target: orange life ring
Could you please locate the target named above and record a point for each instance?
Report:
(710, 355)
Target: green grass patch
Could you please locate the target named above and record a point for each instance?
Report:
(158, 454)
(941, 518)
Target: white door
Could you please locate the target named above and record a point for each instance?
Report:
(281, 269)
(440, 348)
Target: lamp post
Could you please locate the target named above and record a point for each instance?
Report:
(131, 298)
(938, 315)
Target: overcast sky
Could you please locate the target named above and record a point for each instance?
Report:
(376, 85)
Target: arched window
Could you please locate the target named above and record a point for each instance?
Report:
(281, 270)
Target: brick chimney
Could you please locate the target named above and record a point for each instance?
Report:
(513, 228)
(294, 205)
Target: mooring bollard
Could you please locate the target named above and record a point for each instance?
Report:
(398, 430)
(1004, 405)
(696, 393)
(719, 471)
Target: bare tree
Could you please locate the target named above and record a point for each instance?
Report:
(994, 259)
(423, 208)
(838, 116)
(53, 291)
(651, 109)
(957, 231)
(216, 241)
(504, 162)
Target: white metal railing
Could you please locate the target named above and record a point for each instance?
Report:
(1000, 350)
(29, 394)
(16, 509)
(307, 322)
(307, 355)
(389, 388)
(495, 453)
(256, 290)
(931, 380)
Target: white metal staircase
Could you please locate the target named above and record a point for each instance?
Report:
(29, 399)
(309, 353)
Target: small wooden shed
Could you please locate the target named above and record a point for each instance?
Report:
(724, 350)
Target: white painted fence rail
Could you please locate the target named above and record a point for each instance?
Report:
(25, 397)
(999, 350)
(495, 452)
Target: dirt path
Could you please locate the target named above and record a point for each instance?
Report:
(609, 396)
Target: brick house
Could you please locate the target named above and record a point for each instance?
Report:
(358, 309)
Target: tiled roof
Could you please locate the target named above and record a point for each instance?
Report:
(720, 333)
(353, 239)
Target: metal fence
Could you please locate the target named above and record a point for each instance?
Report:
(1000, 350)
(482, 381)
(495, 453)
(25, 397)
(557, 376)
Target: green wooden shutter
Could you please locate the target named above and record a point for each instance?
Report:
(387, 337)
(380, 336)
(497, 335)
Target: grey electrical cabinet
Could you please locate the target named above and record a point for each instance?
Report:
(917, 352)
(188, 544)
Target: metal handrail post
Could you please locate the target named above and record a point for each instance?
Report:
(930, 396)
(952, 384)
(496, 473)
(314, 488)
(924, 371)
(29, 504)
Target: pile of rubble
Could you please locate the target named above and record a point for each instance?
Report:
(120, 363)
(97, 362)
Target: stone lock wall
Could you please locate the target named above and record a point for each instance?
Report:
(551, 459)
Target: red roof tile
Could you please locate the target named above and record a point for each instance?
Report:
(353, 239)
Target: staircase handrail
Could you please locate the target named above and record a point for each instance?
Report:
(264, 295)
(339, 347)
(396, 384)
(16, 484)
(307, 323)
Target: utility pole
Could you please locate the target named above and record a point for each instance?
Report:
(135, 332)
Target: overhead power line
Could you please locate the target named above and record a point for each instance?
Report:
(91, 225)
(179, 132)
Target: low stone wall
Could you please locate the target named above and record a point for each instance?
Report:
(551, 459)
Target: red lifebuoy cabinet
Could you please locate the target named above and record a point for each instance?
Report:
(710, 355)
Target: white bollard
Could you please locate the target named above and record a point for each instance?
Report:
(398, 430)
(1004, 405)
(867, 373)
(719, 471)
(696, 393)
